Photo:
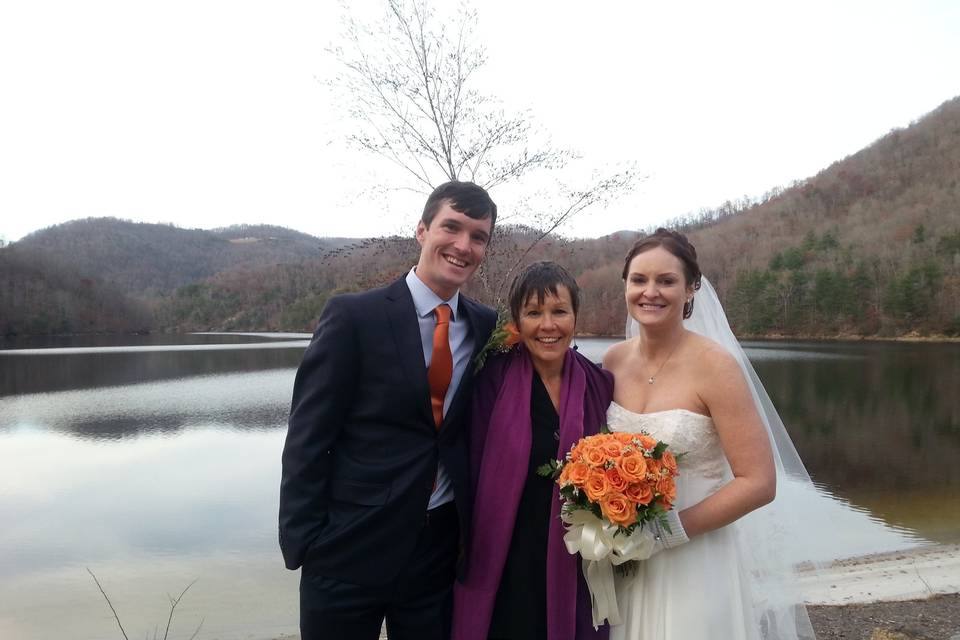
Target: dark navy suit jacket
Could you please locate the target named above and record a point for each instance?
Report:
(362, 450)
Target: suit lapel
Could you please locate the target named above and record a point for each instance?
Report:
(402, 316)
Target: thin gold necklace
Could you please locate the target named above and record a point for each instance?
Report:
(653, 378)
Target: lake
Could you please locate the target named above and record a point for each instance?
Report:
(155, 461)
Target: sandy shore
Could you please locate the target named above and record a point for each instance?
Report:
(906, 575)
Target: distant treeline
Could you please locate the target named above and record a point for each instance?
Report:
(817, 288)
(38, 297)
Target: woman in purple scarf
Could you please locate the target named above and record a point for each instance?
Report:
(531, 405)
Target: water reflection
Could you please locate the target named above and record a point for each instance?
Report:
(149, 515)
(889, 419)
(85, 368)
(256, 400)
(60, 351)
(93, 341)
(204, 490)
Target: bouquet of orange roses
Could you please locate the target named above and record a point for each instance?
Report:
(613, 484)
(626, 478)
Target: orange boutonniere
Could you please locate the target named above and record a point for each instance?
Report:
(503, 338)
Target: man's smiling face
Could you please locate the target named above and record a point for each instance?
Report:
(451, 249)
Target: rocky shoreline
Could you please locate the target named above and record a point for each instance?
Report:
(908, 595)
(934, 618)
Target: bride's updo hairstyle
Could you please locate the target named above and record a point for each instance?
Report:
(677, 244)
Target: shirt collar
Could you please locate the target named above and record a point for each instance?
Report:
(425, 300)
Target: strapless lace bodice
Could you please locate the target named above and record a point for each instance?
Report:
(684, 431)
(717, 585)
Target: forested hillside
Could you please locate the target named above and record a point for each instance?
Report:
(38, 297)
(870, 246)
(108, 275)
(141, 258)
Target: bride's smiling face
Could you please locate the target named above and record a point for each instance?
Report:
(656, 288)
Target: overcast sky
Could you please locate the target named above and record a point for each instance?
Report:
(211, 113)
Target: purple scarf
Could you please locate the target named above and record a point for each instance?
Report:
(500, 441)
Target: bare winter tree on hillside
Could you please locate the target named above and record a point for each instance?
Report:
(410, 85)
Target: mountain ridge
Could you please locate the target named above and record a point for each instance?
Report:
(869, 246)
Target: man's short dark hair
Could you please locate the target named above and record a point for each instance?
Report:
(539, 279)
(467, 198)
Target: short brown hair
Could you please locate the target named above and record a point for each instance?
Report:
(467, 198)
(539, 279)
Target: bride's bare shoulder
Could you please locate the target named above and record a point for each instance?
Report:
(710, 356)
(616, 354)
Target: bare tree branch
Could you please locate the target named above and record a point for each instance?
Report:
(410, 82)
(409, 85)
(173, 606)
(197, 630)
(110, 604)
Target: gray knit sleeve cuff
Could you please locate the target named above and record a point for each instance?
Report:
(676, 535)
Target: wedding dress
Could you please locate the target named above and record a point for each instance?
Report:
(736, 582)
(705, 588)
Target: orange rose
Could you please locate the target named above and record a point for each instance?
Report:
(616, 481)
(623, 438)
(632, 466)
(596, 485)
(513, 334)
(647, 442)
(669, 462)
(612, 448)
(594, 456)
(618, 509)
(639, 493)
(654, 469)
(574, 473)
(667, 488)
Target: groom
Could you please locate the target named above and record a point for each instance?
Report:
(374, 496)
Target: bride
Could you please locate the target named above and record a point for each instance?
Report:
(716, 571)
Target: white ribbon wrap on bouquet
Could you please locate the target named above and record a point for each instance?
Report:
(600, 549)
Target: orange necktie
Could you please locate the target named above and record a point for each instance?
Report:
(441, 363)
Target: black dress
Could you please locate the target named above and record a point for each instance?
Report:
(520, 610)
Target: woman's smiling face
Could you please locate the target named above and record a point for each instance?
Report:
(546, 328)
(656, 288)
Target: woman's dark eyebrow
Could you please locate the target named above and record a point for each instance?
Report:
(659, 275)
